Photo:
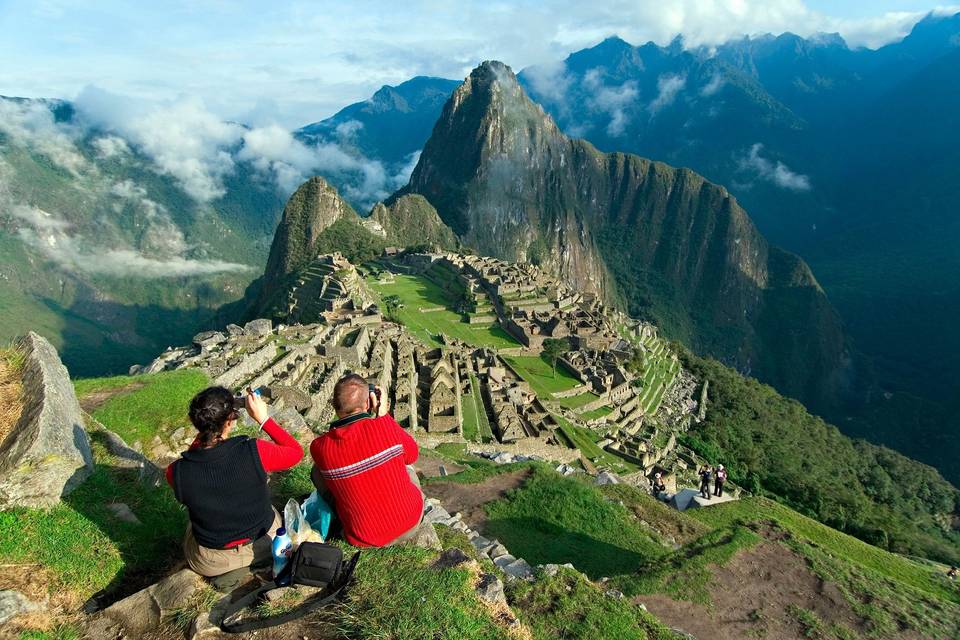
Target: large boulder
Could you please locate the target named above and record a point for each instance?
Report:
(260, 328)
(47, 453)
(142, 612)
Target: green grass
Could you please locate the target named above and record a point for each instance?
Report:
(472, 408)
(477, 469)
(569, 606)
(924, 577)
(59, 632)
(586, 440)
(295, 482)
(596, 413)
(418, 293)
(398, 595)
(158, 407)
(575, 402)
(483, 422)
(891, 592)
(82, 546)
(665, 519)
(538, 372)
(685, 574)
(555, 519)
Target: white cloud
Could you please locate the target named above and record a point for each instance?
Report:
(38, 218)
(713, 85)
(313, 59)
(610, 100)
(348, 129)
(48, 234)
(402, 177)
(30, 125)
(110, 146)
(273, 151)
(776, 172)
(668, 86)
(184, 139)
(549, 81)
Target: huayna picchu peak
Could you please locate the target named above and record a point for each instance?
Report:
(661, 242)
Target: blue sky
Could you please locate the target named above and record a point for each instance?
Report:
(298, 62)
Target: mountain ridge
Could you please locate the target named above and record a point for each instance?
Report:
(663, 241)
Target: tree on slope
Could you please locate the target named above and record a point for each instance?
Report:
(553, 349)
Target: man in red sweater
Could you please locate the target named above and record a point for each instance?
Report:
(364, 463)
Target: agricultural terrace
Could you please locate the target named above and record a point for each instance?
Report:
(428, 311)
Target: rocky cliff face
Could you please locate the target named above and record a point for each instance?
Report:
(410, 221)
(313, 208)
(664, 242)
(497, 169)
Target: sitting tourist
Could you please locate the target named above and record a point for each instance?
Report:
(223, 483)
(656, 485)
(363, 465)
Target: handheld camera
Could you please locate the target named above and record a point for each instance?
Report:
(239, 402)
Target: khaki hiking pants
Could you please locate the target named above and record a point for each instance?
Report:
(403, 537)
(216, 562)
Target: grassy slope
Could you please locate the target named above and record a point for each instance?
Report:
(556, 519)
(586, 440)
(771, 445)
(418, 293)
(604, 529)
(82, 546)
(140, 413)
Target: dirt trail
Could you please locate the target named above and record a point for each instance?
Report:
(429, 463)
(96, 399)
(752, 595)
(469, 499)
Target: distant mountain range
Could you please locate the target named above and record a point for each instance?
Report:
(107, 253)
(847, 157)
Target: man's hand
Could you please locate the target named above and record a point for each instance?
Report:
(256, 407)
(374, 403)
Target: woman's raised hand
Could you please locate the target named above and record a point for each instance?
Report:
(256, 407)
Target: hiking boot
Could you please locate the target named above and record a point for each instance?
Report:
(230, 580)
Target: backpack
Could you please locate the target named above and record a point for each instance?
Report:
(313, 564)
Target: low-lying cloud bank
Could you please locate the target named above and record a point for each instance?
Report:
(162, 250)
(180, 139)
(191, 144)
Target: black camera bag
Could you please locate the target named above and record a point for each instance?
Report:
(313, 564)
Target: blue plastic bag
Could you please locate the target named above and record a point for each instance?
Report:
(318, 514)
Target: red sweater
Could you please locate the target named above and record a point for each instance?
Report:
(362, 461)
(283, 453)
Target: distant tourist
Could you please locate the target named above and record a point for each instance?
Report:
(223, 483)
(363, 464)
(952, 574)
(706, 475)
(656, 485)
(718, 483)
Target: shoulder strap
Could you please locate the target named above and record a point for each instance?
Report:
(302, 610)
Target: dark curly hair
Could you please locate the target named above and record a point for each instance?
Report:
(209, 411)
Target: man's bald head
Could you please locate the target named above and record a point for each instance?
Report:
(351, 395)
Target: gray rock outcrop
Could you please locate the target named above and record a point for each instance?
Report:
(47, 453)
(142, 612)
(14, 603)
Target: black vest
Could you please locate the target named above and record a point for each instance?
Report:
(225, 490)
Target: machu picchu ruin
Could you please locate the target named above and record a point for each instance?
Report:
(465, 363)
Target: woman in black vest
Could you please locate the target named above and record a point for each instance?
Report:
(223, 483)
